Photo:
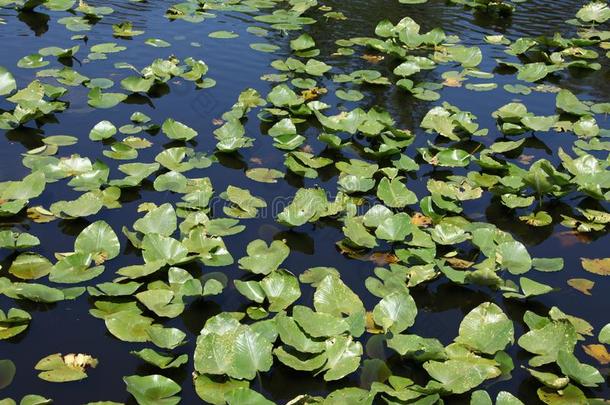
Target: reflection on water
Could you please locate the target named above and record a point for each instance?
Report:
(67, 327)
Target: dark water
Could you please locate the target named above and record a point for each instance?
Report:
(67, 326)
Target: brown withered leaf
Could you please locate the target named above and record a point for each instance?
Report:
(383, 258)
(419, 219)
(256, 160)
(307, 148)
(526, 159)
(571, 238)
(581, 284)
(458, 263)
(598, 352)
(373, 58)
(218, 121)
(313, 93)
(40, 215)
(452, 82)
(370, 325)
(596, 266)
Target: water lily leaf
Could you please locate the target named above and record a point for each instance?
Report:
(171, 181)
(71, 367)
(447, 233)
(318, 324)
(307, 205)
(125, 29)
(395, 194)
(7, 373)
(163, 249)
(75, 268)
(594, 11)
(584, 374)
(161, 360)
(152, 389)
(264, 175)
(177, 130)
(349, 95)
(98, 240)
(586, 127)
(128, 325)
(97, 99)
(549, 379)
(514, 257)
(223, 34)
(596, 266)
(486, 329)
(569, 103)
(303, 42)
(233, 349)
(581, 284)
(395, 312)
(245, 205)
(548, 340)
(263, 47)
(160, 302)
(17, 240)
(262, 259)
(12, 323)
(157, 43)
(244, 395)
(36, 292)
(532, 72)
(161, 220)
(598, 352)
(540, 218)
(7, 82)
(281, 289)
(32, 61)
(213, 391)
(333, 297)
(137, 84)
(570, 395)
(31, 186)
(166, 338)
(462, 374)
(468, 56)
(343, 357)
(395, 228)
(30, 266)
(358, 234)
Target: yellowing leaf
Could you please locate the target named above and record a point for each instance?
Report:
(383, 258)
(596, 266)
(598, 352)
(373, 58)
(581, 284)
(419, 219)
(313, 93)
(40, 215)
(70, 367)
(371, 326)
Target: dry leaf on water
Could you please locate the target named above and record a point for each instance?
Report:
(596, 266)
(581, 284)
(598, 352)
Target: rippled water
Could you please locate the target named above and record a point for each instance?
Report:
(67, 326)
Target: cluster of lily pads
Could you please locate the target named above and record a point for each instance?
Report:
(414, 238)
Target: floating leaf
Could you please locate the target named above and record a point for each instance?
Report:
(596, 266)
(152, 389)
(71, 367)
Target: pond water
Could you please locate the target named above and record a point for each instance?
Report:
(67, 326)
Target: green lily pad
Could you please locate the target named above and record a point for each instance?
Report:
(152, 389)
